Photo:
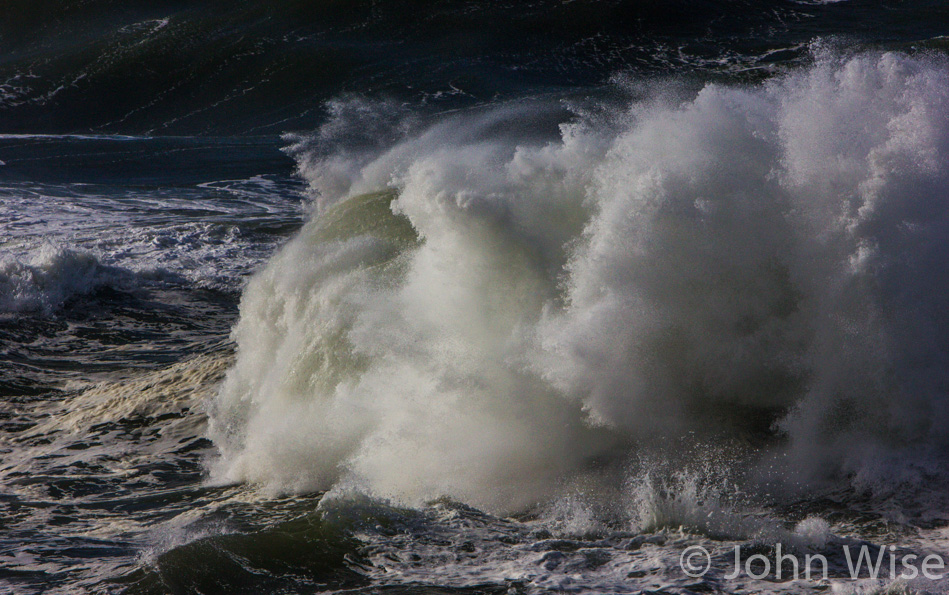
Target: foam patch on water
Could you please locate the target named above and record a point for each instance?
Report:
(69, 239)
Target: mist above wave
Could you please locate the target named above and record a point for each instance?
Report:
(761, 263)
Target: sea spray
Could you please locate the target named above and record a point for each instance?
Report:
(761, 262)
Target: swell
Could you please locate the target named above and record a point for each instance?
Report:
(245, 67)
(742, 263)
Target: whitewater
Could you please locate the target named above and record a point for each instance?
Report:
(488, 311)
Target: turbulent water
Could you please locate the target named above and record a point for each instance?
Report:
(376, 297)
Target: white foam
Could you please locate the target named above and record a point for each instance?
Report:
(49, 277)
(771, 248)
(181, 235)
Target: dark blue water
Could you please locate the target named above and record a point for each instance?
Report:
(220, 68)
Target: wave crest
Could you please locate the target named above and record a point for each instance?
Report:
(764, 262)
(52, 275)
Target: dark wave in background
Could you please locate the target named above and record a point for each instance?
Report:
(190, 67)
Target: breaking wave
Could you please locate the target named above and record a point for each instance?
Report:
(50, 276)
(503, 304)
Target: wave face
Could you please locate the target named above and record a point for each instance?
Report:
(186, 67)
(500, 302)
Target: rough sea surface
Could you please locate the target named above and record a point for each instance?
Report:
(474, 297)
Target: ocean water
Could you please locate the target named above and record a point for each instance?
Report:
(474, 297)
